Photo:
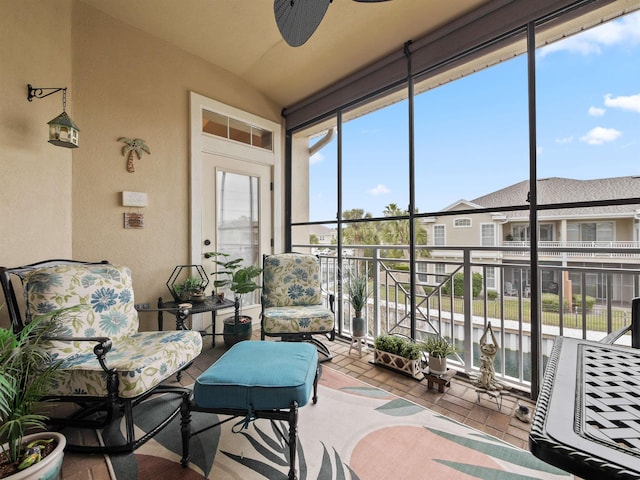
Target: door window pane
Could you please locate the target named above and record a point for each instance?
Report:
(237, 216)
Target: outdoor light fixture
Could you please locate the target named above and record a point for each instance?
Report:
(62, 131)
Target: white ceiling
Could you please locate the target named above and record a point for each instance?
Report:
(241, 36)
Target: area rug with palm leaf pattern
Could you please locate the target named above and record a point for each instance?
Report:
(355, 431)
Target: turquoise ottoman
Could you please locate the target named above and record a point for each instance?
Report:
(257, 379)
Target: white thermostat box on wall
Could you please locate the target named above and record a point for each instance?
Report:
(134, 199)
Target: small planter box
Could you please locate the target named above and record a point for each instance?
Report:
(413, 368)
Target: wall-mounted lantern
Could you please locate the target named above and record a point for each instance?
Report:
(63, 132)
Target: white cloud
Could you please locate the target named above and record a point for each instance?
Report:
(564, 140)
(600, 135)
(625, 31)
(596, 111)
(631, 102)
(379, 190)
(316, 158)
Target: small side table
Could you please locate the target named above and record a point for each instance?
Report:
(358, 342)
(211, 304)
(443, 380)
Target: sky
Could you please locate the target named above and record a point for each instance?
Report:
(471, 135)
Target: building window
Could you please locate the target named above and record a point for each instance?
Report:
(490, 273)
(441, 270)
(422, 270)
(438, 235)
(488, 235)
(462, 223)
(590, 232)
(545, 232)
(521, 232)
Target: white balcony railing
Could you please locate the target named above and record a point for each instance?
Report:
(574, 249)
(461, 316)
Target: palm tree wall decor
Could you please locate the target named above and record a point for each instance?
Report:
(133, 145)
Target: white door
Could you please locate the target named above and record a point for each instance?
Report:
(235, 202)
(236, 213)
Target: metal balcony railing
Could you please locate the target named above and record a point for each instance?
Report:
(581, 300)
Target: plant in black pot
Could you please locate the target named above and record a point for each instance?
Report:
(26, 371)
(357, 289)
(239, 279)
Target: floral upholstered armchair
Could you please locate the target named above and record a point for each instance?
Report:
(292, 300)
(107, 365)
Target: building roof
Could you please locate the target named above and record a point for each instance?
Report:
(562, 190)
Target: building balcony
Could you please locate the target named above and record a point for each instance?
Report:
(575, 250)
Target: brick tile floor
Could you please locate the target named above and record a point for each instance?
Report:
(459, 402)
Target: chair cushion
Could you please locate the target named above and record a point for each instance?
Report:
(102, 295)
(300, 319)
(258, 375)
(103, 306)
(291, 279)
(142, 361)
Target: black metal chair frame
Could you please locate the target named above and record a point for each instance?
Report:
(95, 412)
(303, 336)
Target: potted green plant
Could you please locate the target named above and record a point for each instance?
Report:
(191, 289)
(399, 353)
(26, 371)
(357, 289)
(239, 279)
(438, 349)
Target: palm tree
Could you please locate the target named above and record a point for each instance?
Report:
(135, 145)
(396, 232)
(359, 233)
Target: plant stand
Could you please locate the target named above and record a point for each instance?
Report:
(443, 380)
(358, 343)
(494, 394)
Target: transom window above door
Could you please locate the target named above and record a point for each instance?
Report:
(237, 130)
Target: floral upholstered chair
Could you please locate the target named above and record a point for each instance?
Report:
(292, 300)
(107, 365)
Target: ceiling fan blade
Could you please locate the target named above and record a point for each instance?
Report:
(298, 19)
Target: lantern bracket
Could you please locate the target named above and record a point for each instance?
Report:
(39, 92)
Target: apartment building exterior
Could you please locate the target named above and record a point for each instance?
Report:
(568, 238)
